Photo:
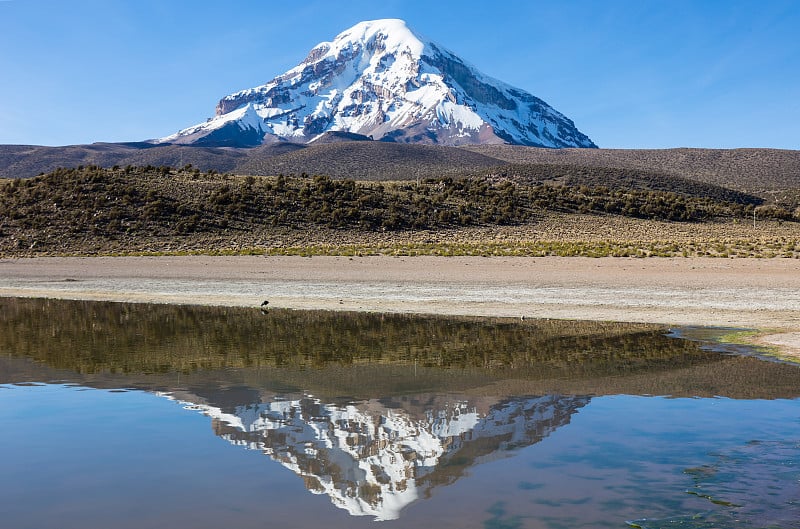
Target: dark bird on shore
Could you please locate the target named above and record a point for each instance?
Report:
(265, 303)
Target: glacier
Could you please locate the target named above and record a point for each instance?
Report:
(382, 80)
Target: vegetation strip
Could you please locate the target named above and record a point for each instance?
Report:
(726, 249)
(96, 210)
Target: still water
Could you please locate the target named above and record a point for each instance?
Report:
(149, 416)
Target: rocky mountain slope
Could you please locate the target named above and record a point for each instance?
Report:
(382, 81)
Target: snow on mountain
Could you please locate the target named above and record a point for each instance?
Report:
(382, 80)
(373, 460)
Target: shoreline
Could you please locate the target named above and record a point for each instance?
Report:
(762, 294)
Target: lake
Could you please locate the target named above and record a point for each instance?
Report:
(152, 416)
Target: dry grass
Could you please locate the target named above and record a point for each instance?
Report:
(113, 212)
(621, 178)
(555, 234)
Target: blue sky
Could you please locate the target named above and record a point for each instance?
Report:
(630, 74)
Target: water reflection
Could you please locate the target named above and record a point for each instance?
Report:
(374, 458)
(374, 411)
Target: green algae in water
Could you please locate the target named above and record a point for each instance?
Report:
(500, 519)
(754, 486)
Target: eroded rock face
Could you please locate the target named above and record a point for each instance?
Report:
(380, 79)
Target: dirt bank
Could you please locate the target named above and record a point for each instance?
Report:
(752, 293)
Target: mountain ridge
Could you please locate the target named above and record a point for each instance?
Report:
(383, 81)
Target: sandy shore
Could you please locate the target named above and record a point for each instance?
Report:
(746, 293)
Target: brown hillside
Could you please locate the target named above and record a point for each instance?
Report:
(27, 161)
(768, 173)
(93, 209)
(749, 170)
(618, 178)
(368, 160)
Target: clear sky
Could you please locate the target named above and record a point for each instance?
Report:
(630, 74)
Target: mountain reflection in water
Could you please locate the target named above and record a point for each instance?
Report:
(374, 460)
(375, 411)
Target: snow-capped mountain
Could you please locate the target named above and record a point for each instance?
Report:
(372, 459)
(381, 80)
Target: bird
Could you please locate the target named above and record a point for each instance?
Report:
(265, 303)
